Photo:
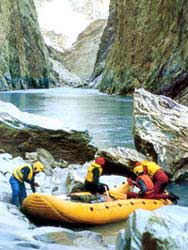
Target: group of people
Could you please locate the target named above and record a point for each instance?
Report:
(151, 179)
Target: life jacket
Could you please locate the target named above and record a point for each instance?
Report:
(150, 167)
(89, 176)
(17, 173)
(147, 181)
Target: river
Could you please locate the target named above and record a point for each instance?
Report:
(107, 118)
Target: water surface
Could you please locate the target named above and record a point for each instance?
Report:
(107, 118)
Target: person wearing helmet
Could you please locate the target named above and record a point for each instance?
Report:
(94, 172)
(143, 182)
(158, 175)
(146, 186)
(22, 174)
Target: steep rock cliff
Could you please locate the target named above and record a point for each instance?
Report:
(150, 47)
(80, 59)
(23, 56)
(105, 45)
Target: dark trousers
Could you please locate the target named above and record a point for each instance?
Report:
(18, 191)
(93, 188)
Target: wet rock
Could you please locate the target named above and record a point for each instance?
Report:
(8, 163)
(165, 229)
(68, 237)
(161, 129)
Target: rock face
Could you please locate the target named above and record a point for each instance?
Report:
(149, 48)
(160, 130)
(54, 39)
(105, 45)
(23, 56)
(80, 59)
(64, 76)
(118, 160)
(22, 132)
(162, 229)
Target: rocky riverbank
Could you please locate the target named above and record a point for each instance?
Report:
(143, 228)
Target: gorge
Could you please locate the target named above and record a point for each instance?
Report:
(120, 50)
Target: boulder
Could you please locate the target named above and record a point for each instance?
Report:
(160, 130)
(163, 229)
(70, 238)
(75, 181)
(119, 160)
(23, 132)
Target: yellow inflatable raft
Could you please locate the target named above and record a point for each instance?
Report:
(57, 208)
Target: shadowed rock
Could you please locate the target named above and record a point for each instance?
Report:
(160, 130)
(119, 161)
(148, 49)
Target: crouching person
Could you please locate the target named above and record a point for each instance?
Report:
(22, 174)
(147, 188)
(94, 172)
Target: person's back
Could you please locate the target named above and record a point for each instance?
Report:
(147, 187)
(145, 184)
(94, 172)
(159, 177)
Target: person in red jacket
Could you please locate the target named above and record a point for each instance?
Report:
(157, 174)
(146, 186)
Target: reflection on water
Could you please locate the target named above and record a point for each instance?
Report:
(107, 118)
